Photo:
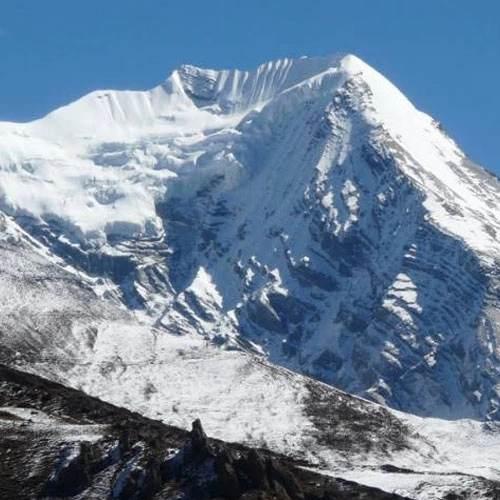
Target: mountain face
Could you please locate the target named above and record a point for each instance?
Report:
(304, 212)
(238, 246)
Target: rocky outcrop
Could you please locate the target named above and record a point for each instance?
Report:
(224, 471)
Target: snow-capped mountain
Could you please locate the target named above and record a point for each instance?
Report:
(202, 248)
(305, 211)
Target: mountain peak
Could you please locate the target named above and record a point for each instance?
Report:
(239, 89)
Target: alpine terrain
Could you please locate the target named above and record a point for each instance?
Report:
(296, 255)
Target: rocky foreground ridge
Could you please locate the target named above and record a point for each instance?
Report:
(60, 443)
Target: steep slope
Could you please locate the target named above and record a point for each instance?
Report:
(305, 211)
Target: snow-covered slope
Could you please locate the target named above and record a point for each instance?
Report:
(58, 322)
(305, 212)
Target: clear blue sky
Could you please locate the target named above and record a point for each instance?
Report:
(444, 54)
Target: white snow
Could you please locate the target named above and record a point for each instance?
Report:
(205, 289)
(40, 421)
(466, 453)
(100, 163)
(179, 379)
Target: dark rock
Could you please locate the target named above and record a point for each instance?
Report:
(228, 483)
(290, 308)
(311, 277)
(131, 486)
(279, 491)
(395, 470)
(152, 481)
(72, 474)
(265, 316)
(226, 454)
(278, 473)
(254, 467)
(199, 440)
